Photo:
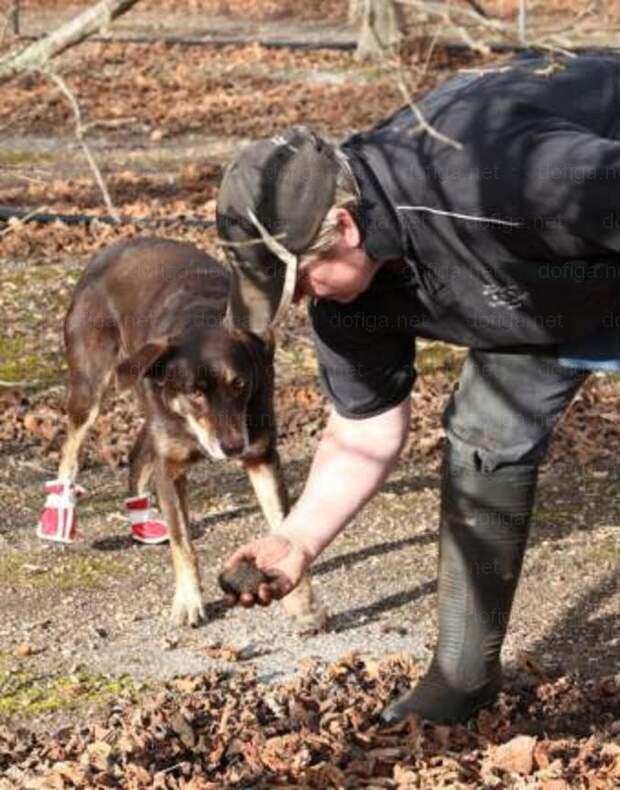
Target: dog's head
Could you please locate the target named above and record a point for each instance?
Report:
(210, 378)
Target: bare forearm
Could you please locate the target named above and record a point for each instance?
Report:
(350, 465)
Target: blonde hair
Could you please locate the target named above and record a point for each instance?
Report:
(346, 196)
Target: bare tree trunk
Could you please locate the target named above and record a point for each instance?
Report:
(381, 30)
(75, 30)
(356, 11)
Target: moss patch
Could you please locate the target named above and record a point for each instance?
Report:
(440, 357)
(26, 694)
(14, 157)
(607, 551)
(33, 298)
(39, 571)
(19, 363)
(563, 517)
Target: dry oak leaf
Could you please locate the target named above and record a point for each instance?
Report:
(23, 650)
(516, 755)
(70, 772)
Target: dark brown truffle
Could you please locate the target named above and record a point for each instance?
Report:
(244, 577)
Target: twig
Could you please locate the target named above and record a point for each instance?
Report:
(20, 384)
(571, 25)
(112, 123)
(429, 55)
(478, 8)
(407, 96)
(438, 10)
(171, 768)
(423, 124)
(507, 32)
(79, 133)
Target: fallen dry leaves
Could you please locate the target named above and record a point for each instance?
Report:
(34, 422)
(319, 730)
(244, 9)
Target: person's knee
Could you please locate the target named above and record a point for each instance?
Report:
(487, 460)
(505, 409)
(484, 442)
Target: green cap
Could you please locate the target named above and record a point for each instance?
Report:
(272, 201)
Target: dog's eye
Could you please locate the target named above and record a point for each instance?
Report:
(238, 384)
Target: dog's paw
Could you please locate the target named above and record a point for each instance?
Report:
(305, 609)
(306, 621)
(187, 607)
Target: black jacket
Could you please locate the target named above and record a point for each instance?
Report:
(509, 241)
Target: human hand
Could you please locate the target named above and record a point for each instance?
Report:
(280, 559)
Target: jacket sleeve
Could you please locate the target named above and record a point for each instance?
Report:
(571, 180)
(363, 372)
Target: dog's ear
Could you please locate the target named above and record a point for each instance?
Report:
(144, 361)
(262, 346)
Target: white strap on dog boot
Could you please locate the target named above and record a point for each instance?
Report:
(58, 520)
(146, 527)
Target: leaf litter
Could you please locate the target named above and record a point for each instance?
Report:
(320, 730)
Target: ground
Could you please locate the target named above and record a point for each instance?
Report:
(86, 626)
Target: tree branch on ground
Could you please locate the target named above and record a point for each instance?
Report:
(36, 55)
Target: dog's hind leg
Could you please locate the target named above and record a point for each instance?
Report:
(302, 604)
(92, 351)
(187, 606)
(83, 404)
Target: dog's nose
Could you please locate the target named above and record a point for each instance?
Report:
(232, 445)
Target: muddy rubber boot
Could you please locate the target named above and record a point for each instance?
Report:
(483, 534)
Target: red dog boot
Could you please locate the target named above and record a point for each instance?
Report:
(58, 520)
(145, 526)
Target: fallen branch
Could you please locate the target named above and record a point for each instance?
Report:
(26, 215)
(215, 40)
(75, 30)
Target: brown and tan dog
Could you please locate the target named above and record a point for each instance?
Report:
(148, 312)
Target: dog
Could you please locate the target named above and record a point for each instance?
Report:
(148, 313)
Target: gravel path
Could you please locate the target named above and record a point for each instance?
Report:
(101, 606)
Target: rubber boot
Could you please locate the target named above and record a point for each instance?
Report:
(483, 533)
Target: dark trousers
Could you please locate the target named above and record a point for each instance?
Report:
(505, 407)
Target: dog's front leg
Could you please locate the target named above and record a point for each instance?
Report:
(302, 605)
(187, 605)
